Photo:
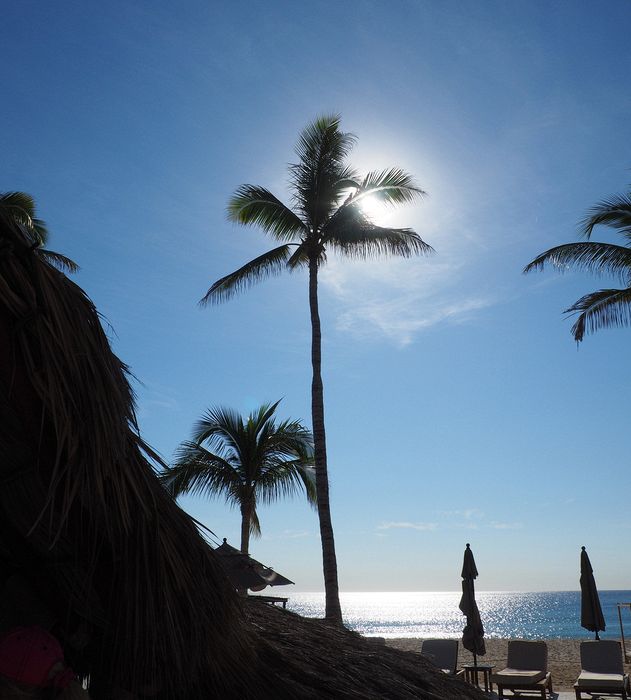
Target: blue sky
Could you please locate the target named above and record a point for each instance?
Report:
(458, 407)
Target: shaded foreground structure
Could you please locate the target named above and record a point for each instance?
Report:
(314, 659)
(93, 548)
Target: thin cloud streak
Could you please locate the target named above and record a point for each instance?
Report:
(466, 519)
(475, 519)
(407, 526)
(397, 299)
(467, 514)
(506, 526)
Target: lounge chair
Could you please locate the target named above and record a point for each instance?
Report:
(526, 670)
(442, 653)
(602, 670)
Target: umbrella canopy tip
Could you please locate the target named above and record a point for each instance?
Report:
(583, 548)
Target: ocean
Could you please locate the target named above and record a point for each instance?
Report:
(553, 615)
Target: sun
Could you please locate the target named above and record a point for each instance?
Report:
(372, 207)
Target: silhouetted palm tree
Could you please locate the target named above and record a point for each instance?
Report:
(20, 207)
(605, 307)
(249, 461)
(327, 214)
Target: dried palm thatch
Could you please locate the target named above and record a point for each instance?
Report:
(83, 519)
(89, 536)
(314, 660)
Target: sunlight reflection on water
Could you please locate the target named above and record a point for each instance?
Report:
(504, 614)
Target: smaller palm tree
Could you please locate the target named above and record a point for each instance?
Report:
(604, 307)
(248, 461)
(19, 207)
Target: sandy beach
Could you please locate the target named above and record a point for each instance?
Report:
(563, 657)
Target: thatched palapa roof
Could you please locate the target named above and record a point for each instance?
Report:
(314, 660)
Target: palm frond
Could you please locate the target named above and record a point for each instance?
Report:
(255, 523)
(21, 208)
(58, 260)
(605, 308)
(289, 438)
(316, 194)
(299, 258)
(318, 178)
(309, 481)
(347, 179)
(264, 414)
(278, 443)
(352, 233)
(257, 429)
(599, 258)
(198, 471)
(321, 143)
(393, 186)
(221, 429)
(270, 263)
(285, 479)
(614, 211)
(256, 206)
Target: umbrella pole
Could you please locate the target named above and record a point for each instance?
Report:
(597, 637)
(475, 656)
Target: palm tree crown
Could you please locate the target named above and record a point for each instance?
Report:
(19, 207)
(247, 461)
(605, 307)
(327, 195)
(327, 214)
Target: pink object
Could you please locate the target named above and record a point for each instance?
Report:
(28, 655)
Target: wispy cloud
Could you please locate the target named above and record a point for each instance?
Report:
(156, 397)
(506, 526)
(397, 299)
(467, 514)
(474, 519)
(407, 526)
(466, 519)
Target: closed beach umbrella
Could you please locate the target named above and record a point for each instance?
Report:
(245, 572)
(591, 613)
(473, 633)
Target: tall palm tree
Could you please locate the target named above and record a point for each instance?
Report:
(20, 208)
(327, 197)
(248, 461)
(605, 307)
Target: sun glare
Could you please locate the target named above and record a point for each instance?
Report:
(373, 208)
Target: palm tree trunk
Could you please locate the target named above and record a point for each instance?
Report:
(246, 516)
(333, 610)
